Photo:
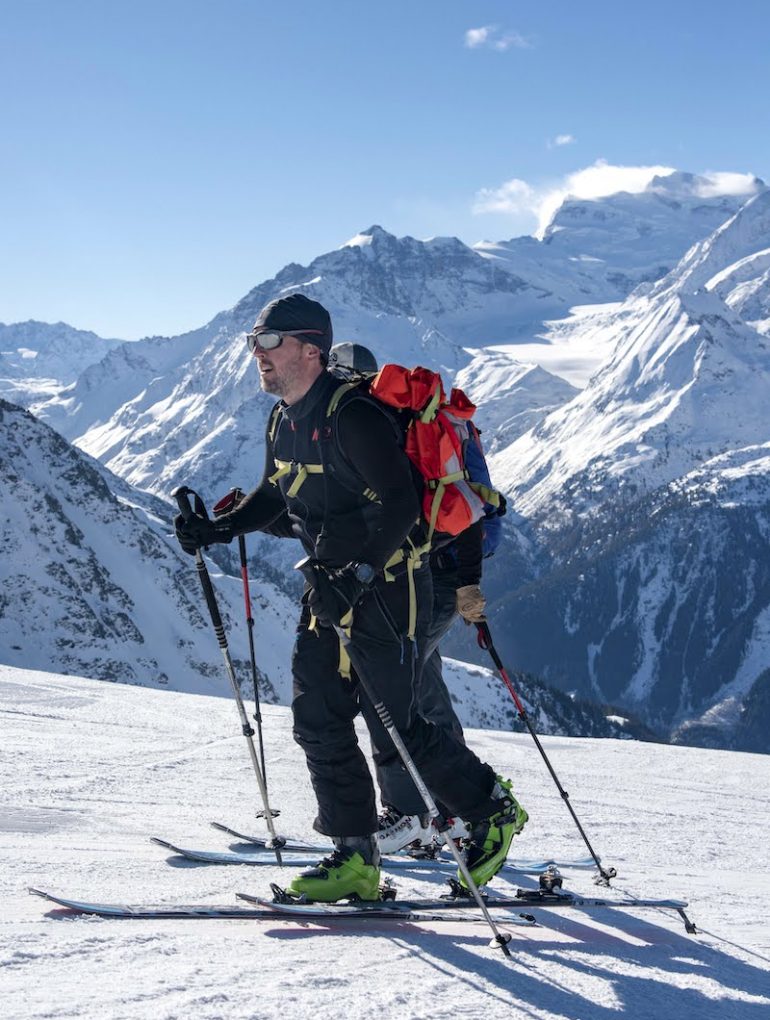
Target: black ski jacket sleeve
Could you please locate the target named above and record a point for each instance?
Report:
(468, 547)
(370, 443)
(263, 509)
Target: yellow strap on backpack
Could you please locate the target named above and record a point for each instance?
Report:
(301, 471)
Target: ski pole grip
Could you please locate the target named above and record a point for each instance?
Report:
(182, 497)
(308, 567)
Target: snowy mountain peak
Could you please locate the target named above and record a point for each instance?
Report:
(744, 235)
(38, 358)
(669, 208)
(374, 235)
(683, 185)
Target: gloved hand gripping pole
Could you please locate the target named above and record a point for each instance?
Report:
(315, 577)
(182, 496)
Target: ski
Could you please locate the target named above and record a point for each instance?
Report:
(283, 899)
(522, 865)
(541, 898)
(170, 911)
(266, 911)
(524, 898)
(404, 910)
(295, 858)
(399, 910)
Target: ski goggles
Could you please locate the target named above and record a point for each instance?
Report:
(270, 339)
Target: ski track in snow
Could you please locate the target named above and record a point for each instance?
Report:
(91, 770)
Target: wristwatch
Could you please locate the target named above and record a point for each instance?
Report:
(365, 573)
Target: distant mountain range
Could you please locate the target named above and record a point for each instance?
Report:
(621, 369)
(94, 583)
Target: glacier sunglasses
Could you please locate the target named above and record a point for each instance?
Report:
(270, 339)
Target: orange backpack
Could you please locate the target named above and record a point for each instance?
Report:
(435, 443)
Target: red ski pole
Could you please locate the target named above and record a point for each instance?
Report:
(485, 642)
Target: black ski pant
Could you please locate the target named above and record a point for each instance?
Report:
(433, 698)
(325, 705)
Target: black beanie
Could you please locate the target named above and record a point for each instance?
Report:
(298, 312)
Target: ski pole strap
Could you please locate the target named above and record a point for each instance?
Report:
(228, 502)
(484, 639)
(182, 496)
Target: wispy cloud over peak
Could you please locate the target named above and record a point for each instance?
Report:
(726, 183)
(518, 197)
(494, 38)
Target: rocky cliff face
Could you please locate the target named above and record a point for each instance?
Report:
(94, 584)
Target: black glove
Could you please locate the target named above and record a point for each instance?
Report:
(197, 531)
(334, 594)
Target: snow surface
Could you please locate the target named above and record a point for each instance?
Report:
(91, 770)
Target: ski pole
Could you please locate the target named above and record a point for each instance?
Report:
(313, 575)
(227, 503)
(485, 642)
(182, 496)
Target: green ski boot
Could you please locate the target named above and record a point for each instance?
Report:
(338, 877)
(490, 839)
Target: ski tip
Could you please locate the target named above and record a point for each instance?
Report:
(164, 843)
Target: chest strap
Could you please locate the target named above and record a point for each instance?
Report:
(301, 471)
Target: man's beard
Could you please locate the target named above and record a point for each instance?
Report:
(272, 384)
(280, 383)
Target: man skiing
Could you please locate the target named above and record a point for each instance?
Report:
(456, 574)
(348, 488)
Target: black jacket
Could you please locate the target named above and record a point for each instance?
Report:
(357, 501)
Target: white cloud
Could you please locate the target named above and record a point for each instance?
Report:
(492, 37)
(564, 140)
(475, 37)
(603, 178)
(712, 184)
(520, 199)
(515, 196)
(542, 200)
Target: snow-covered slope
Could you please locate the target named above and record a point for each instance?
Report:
(511, 396)
(609, 245)
(149, 404)
(93, 581)
(38, 359)
(649, 495)
(92, 770)
(602, 481)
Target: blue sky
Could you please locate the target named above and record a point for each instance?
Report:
(157, 160)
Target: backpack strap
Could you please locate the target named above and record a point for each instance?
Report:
(285, 467)
(275, 417)
(489, 495)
